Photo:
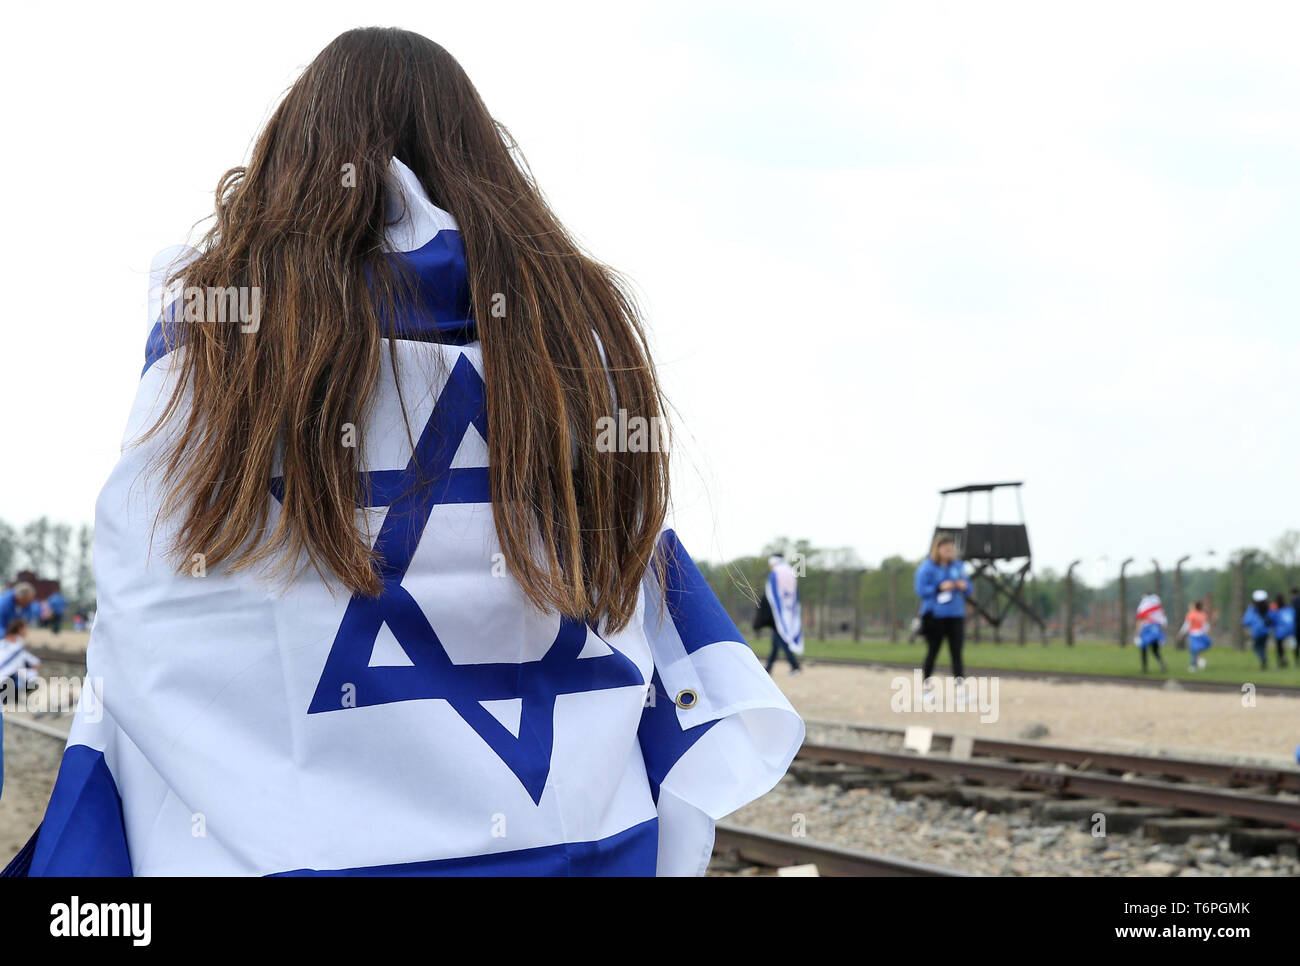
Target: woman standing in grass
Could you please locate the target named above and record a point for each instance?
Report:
(943, 589)
(1258, 619)
(1196, 628)
(1151, 622)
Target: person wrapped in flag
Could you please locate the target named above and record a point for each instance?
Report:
(20, 670)
(372, 599)
(781, 600)
(1151, 624)
(19, 667)
(1258, 621)
(1196, 628)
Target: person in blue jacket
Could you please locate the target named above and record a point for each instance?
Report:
(57, 605)
(1283, 628)
(1258, 619)
(942, 586)
(16, 602)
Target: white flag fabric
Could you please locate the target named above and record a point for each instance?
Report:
(1151, 621)
(782, 593)
(16, 661)
(236, 727)
(1151, 611)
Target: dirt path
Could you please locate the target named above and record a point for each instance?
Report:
(1185, 723)
(31, 765)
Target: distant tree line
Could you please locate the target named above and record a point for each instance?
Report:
(52, 551)
(844, 598)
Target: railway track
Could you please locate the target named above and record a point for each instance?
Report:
(60, 657)
(1188, 785)
(1187, 769)
(1079, 677)
(777, 851)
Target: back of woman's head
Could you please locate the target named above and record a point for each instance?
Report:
(303, 224)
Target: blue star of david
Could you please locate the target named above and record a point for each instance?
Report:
(410, 495)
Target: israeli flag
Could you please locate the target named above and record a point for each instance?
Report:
(16, 662)
(782, 593)
(236, 727)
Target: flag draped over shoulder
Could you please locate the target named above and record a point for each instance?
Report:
(15, 660)
(1151, 611)
(237, 727)
(782, 594)
(1151, 620)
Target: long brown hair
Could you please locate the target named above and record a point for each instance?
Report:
(577, 521)
(939, 540)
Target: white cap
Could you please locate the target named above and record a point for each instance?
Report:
(775, 559)
(1259, 595)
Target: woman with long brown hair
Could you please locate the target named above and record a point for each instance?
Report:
(379, 591)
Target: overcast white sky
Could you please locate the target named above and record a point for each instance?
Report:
(883, 248)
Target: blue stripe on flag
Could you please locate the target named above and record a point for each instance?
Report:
(442, 311)
(632, 852)
(155, 346)
(663, 740)
(470, 484)
(83, 832)
(699, 615)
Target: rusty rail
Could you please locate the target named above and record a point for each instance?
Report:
(1192, 798)
(764, 848)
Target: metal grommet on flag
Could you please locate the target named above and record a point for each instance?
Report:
(687, 698)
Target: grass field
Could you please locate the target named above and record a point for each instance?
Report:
(1087, 657)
